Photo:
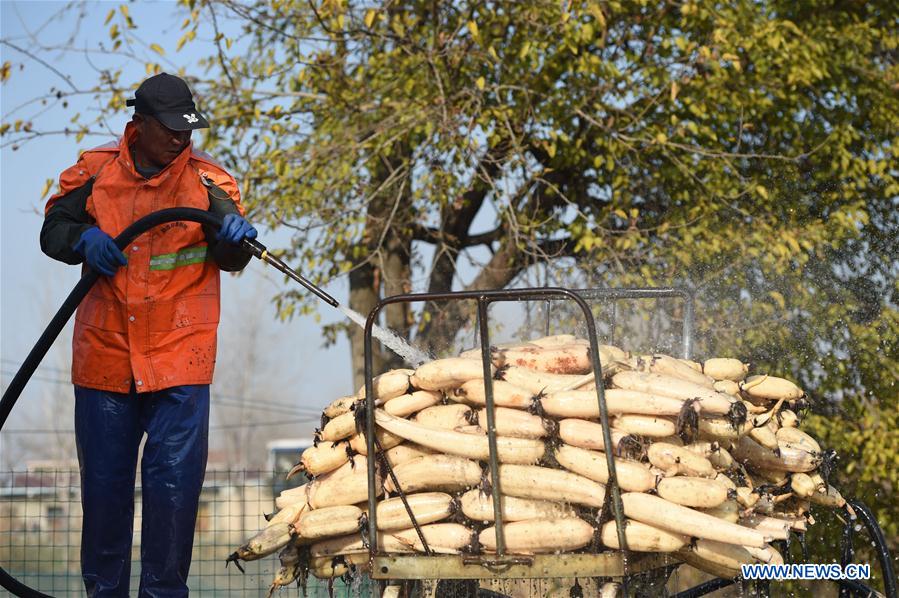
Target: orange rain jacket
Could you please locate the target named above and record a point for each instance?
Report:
(154, 323)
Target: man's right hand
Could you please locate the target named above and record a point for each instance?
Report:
(100, 251)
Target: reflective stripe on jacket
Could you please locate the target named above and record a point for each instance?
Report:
(154, 323)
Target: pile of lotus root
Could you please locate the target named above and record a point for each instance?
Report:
(710, 461)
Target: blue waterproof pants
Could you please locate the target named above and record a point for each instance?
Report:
(108, 429)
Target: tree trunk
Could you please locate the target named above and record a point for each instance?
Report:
(385, 261)
(396, 275)
(452, 316)
(363, 298)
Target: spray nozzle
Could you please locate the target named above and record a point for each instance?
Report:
(259, 250)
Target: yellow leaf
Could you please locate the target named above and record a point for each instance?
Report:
(587, 32)
(675, 88)
(492, 53)
(46, 188)
(661, 138)
(761, 191)
(525, 48)
(158, 49)
(124, 9)
(778, 298)
(182, 41)
(340, 21)
(473, 29)
(109, 16)
(480, 82)
(600, 17)
(369, 17)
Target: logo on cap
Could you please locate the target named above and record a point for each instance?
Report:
(191, 118)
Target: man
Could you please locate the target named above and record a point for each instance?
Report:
(145, 336)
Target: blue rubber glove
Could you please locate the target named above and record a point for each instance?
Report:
(235, 229)
(100, 251)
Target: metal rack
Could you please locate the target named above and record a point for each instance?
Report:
(616, 564)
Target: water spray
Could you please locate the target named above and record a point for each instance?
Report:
(390, 339)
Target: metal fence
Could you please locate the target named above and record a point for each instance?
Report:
(40, 534)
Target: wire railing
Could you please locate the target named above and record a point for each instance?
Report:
(40, 533)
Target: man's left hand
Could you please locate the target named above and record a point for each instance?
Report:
(235, 229)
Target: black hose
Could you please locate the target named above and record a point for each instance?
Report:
(880, 545)
(705, 588)
(28, 367)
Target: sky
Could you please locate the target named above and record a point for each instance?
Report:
(296, 371)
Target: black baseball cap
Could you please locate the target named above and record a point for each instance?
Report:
(168, 99)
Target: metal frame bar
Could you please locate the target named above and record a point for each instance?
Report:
(442, 566)
(484, 299)
(645, 293)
